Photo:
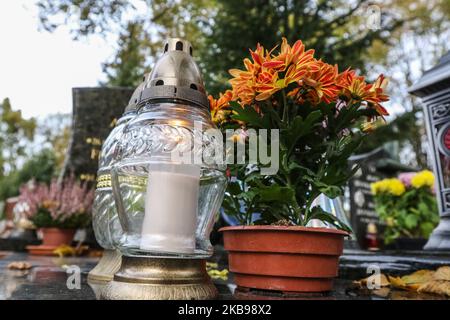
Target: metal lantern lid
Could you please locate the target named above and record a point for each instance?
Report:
(136, 96)
(175, 76)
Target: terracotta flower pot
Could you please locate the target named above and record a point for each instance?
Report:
(57, 236)
(287, 259)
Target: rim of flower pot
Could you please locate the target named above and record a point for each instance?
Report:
(55, 229)
(284, 228)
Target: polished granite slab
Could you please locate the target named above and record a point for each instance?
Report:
(50, 279)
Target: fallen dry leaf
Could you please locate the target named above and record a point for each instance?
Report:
(19, 265)
(436, 286)
(443, 273)
(422, 281)
(399, 283)
(65, 250)
(419, 276)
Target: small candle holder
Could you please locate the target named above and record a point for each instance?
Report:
(167, 205)
(104, 214)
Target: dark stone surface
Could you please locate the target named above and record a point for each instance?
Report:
(94, 113)
(354, 263)
(47, 278)
(17, 244)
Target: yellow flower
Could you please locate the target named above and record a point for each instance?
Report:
(376, 187)
(393, 186)
(396, 187)
(423, 178)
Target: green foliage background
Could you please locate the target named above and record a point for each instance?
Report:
(40, 167)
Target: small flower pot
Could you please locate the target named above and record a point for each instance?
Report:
(56, 236)
(280, 258)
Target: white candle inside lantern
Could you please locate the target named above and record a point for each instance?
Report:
(171, 208)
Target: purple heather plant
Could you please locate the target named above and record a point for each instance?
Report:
(65, 204)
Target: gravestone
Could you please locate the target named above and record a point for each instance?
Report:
(434, 90)
(378, 164)
(362, 205)
(95, 112)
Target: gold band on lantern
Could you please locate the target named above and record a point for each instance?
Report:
(134, 181)
(104, 181)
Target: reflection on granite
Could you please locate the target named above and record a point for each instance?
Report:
(354, 263)
(47, 279)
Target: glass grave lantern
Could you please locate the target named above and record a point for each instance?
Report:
(104, 214)
(166, 195)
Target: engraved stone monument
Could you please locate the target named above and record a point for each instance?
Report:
(434, 89)
(95, 111)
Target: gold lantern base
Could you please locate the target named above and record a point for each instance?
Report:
(160, 279)
(108, 265)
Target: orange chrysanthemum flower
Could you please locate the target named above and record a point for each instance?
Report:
(322, 83)
(267, 73)
(377, 89)
(218, 106)
(355, 88)
(295, 55)
(244, 81)
(261, 79)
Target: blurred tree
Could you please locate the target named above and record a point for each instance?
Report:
(84, 17)
(45, 155)
(41, 167)
(16, 133)
(405, 56)
(337, 30)
(53, 132)
(127, 67)
(141, 27)
(221, 30)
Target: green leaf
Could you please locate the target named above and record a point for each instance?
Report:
(319, 213)
(234, 188)
(276, 193)
(426, 228)
(411, 221)
(331, 191)
(299, 128)
(249, 116)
